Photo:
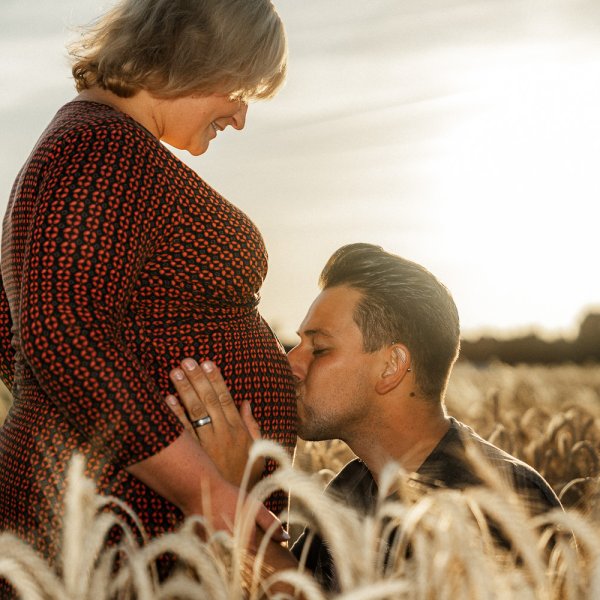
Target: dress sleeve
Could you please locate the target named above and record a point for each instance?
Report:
(7, 352)
(97, 221)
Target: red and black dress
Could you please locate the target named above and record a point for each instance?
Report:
(117, 262)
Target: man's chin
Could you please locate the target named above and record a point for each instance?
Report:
(302, 432)
(307, 426)
(309, 434)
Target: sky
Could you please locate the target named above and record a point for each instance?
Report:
(464, 135)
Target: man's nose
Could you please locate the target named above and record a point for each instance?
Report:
(298, 367)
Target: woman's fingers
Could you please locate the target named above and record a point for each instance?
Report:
(192, 401)
(249, 421)
(176, 407)
(207, 392)
(221, 397)
(253, 429)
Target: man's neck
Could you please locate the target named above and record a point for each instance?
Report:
(406, 441)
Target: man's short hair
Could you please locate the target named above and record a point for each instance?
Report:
(402, 303)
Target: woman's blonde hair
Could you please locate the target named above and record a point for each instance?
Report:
(174, 48)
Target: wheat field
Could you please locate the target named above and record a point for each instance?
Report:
(442, 547)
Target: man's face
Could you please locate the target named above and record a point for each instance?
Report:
(334, 374)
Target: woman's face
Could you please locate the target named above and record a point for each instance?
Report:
(191, 122)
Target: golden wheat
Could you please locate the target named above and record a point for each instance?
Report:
(435, 545)
(442, 548)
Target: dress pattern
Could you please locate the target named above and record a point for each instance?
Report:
(118, 261)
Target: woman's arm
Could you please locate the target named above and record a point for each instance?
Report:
(100, 210)
(183, 474)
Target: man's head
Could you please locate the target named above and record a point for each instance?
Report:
(375, 308)
(401, 302)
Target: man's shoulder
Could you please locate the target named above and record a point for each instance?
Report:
(456, 463)
(525, 479)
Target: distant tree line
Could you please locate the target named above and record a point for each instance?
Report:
(532, 349)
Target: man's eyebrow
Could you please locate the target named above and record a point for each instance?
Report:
(313, 332)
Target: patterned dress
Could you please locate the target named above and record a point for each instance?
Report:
(118, 261)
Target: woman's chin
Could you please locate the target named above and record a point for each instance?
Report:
(199, 148)
(195, 150)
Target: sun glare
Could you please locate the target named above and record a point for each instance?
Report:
(517, 178)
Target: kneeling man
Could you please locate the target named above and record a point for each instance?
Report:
(376, 350)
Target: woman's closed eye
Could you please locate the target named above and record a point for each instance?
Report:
(319, 351)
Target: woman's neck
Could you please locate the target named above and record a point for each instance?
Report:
(141, 107)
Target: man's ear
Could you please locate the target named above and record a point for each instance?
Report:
(397, 364)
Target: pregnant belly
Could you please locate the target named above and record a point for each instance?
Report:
(251, 359)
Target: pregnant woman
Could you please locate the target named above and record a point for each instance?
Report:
(118, 261)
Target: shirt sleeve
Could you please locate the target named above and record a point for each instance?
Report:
(7, 352)
(97, 221)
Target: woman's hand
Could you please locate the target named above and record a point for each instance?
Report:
(228, 434)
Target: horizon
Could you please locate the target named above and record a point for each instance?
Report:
(505, 335)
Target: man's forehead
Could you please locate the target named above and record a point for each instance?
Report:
(332, 311)
(316, 331)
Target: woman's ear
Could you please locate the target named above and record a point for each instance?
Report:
(397, 364)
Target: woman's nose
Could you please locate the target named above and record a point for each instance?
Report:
(239, 118)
